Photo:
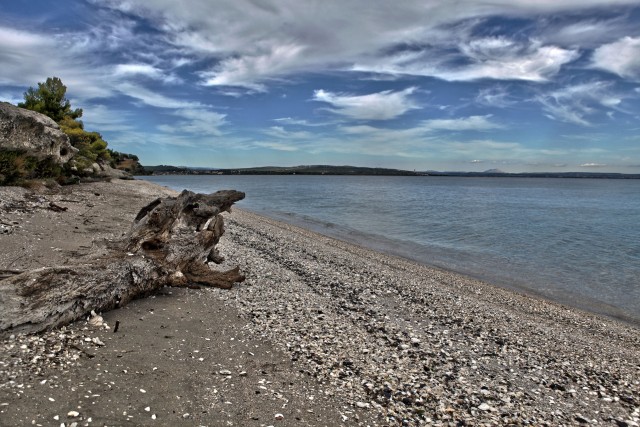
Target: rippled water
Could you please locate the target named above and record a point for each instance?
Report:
(576, 241)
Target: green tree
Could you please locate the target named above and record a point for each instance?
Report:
(49, 99)
(90, 144)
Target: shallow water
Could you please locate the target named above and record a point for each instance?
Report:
(576, 241)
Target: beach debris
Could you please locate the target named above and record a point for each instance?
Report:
(57, 208)
(108, 278)
(95, 320)
(8, 273)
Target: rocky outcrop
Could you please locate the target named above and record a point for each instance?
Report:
(103, 170)
(33, 133)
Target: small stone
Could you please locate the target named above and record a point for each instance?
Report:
(73, 414)
(153, 417)
(362, 404)
(95, 320)
(147, 409)
(224, 372)
(484, 407)
(143, 390)
(279, 417)
(579, 418)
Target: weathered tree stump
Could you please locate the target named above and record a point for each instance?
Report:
(172, 242)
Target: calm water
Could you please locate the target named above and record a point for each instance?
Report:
(576, 241)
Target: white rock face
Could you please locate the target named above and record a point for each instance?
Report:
(35, 133)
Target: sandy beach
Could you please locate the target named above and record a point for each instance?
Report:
(321, 333)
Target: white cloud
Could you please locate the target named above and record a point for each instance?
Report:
(621, 57)
(144, 69)
(195, 117)
(154, 98)
(250, 44)
(422, 141)
(282, 133)
(502, 58)
(577, 103)
(106, 119)
(253, 42)
(587, 32)
(80, 59)
(495, 58)
(199, 121)
(471, 123)
(30, 57)
(497, 96)
(592, 165)
(384, 105)
(242, 71)
(278, 146)
(298, 122)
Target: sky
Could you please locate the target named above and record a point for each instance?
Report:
(466, 85)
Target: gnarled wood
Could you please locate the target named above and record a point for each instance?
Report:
(171, 242)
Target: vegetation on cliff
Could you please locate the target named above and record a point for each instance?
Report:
(49, 98)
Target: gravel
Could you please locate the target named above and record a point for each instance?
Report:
(422, 346)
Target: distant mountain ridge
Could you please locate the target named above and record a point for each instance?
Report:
(369, 171)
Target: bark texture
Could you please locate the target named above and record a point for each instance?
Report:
(171, 242)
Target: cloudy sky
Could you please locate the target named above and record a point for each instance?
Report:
(518, 85)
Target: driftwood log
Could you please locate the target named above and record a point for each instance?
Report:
(171, 243)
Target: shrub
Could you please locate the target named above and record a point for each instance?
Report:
(17, 166)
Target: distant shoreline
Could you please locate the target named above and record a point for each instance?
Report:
(365, 171)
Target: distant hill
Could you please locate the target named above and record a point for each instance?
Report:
(316, 170)
(278, 170)
(365, 171)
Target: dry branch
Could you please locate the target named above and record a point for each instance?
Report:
(171, 242)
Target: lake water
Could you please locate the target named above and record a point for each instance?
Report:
(576, 241)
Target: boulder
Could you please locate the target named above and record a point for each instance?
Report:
(103, 170)
(33, 133)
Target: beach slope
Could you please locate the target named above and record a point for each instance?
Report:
(322, 332)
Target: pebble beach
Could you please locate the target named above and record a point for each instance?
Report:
(322, 332)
